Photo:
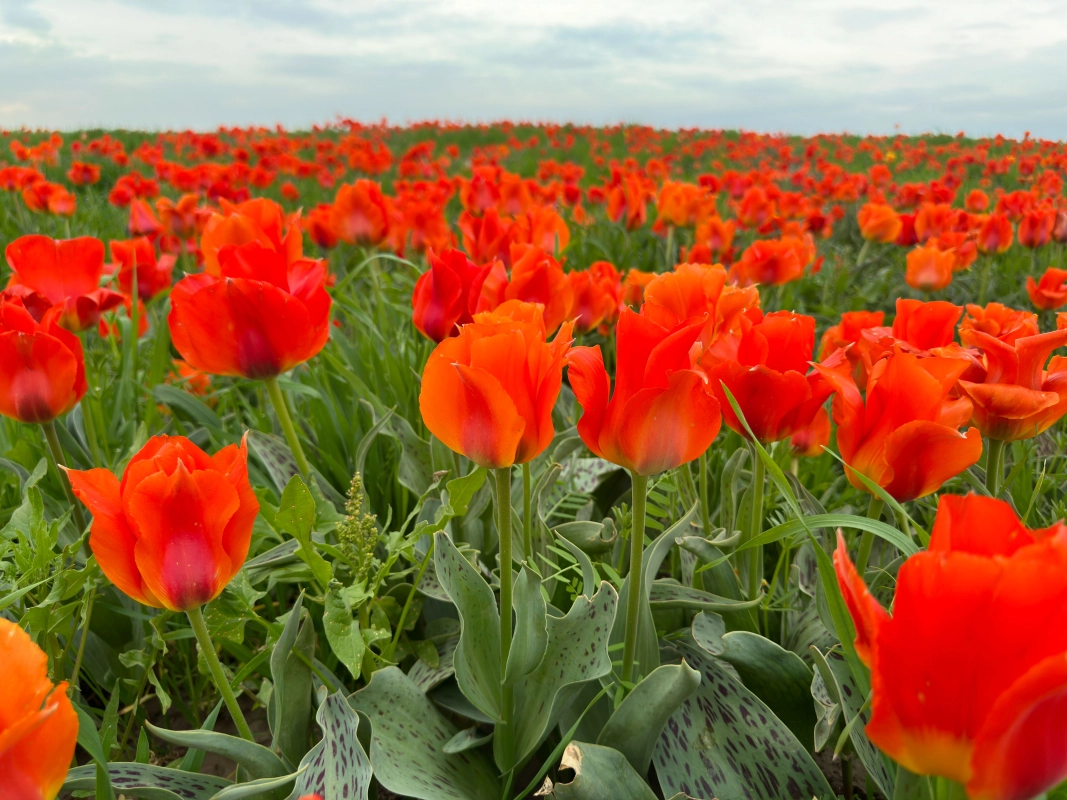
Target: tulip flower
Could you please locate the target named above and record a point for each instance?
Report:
(879, 223)
(451, 291)
(848, 335)
(1017, 398)
(65, 272)
(994, 236)
(142, 221)
(933, 219)
(809, 441)
(153, 275)
(905, 437)
(261, 221)
(907, 236)
(772, 262)
(537, 277)
(976, 201)
(968, 676)
(174, 531)
(488, 237)
(597, 296)
(930, 268)
(660, 416)
(38, 724)
(1050, 292)
(1002, 323)
(489, 391)
(361, 214)
(769, 378)
(716, 234)
(1035, 228)
(925, 325)
(82, 174)
(319, 226)
(633, 288)
(182, 219)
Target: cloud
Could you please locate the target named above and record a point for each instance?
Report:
(763, 64)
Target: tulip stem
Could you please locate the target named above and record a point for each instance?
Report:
(527, 521)
(755, 527)
(987, 267)
(635, 589)
(863, 252)
(56, 449)
(874, 511)
(277, 399)
(203, 638)
(994, 469)
(503, 522)
(705, 512)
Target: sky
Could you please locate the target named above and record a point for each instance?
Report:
(799, 66)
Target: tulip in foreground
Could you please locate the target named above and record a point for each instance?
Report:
(969, 677)
(451, 291)
(1050, 292)
(174, 530)
(38, 724)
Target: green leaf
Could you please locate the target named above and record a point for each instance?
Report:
(89, 736)
(261, 788)
(336, 766)
(707, 631)
(467, 739)
(577, 652)
(147, 781)
(408, 735)
(530, 639)
(794, 527)
(635, 726)
(600, 773)
(289, 712)
(477, 658)
(462, 490)
(776, 676)
(427, 677)
(257, 760)
(194, 758)
(665, 594)
(192, 407)
(342, 629)
(593, 538)
(296, 516)
(228, 614)
(588, 573)
(910, 786)
(724, 742)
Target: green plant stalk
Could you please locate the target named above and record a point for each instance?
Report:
(503, 507)
(987, 267)
(527, 521)
(158, 368)
(203, 638)
(135, 333)
(277, 399)
(636, 590)
(705, 512)
(874, 511)
(85, 635)
(994, 470)
(863, 251)
(56, 449)
(88, 422)
(755, 527)
(410, 599)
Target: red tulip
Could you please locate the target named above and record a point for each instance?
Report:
(1000, 322)
(1035, 228)
(450, 292)
(1050, 292)
(597, 295)
(361, 214)
(772, 262)
(929, 268)
(661, 414)
(177, 528)
(142, 221)
(260, 220)
(153, 275)
(38, 724)
(42, 369)
(489, 391)
(537, 277)
(809, 441)
(905, 437)
(969, 677)
(995, 234)
(925, 325)
(259, 317)
(62, 272)
(769, 377)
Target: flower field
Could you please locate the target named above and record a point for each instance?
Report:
(508, 461)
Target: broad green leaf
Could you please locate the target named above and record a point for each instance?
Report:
(192, 407)
(776, 676)
(261, 789)
(148, 781)
(635, 726)
(477, 658)
(910, 786)
(588, 573)
(665, 594)
(724, 742)
(467, 739)
(600, 773)
(289, 711)
(296, 516)
(193, 757)
(257, 760)
(530, 638)
(592, 537)
(408, 735)
(426, 677)
(337, 765)
(342, 629)
(707, 631)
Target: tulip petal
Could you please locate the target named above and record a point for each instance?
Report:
(57, 268)
(770, 400)
(232, 461)
(867, 613)
(591, 386)
(661, 429)
(983, 526)
(38, 377)
(181, 520)
(923, 455)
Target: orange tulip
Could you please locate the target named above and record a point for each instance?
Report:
(850, 335)
(361, 214)
(489, 391)
(977, 201)
(153, 275)
(1035, 228)
(1017, 398)
(258, 317)
(260, 220)
(38, 724)
(930, 268)
(994, 236)
(66, 272)
(933, 219)
(661, 414)
(925, 325)
(772, 262)
(716, 234)
(597, 295)
(488, 237)
(177, 528)
(142, 221)
(536, 277)
(969, 679)
(1000, 322)
(181, 219)
(1050, 292)
(905, 437)
(769, 377)
(449, 293)
(42, 369)
(879, 223)
(319, 226)
(633, 288)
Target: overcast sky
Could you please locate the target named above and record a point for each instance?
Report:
(802, 66)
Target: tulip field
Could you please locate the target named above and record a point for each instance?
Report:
(511, 461)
